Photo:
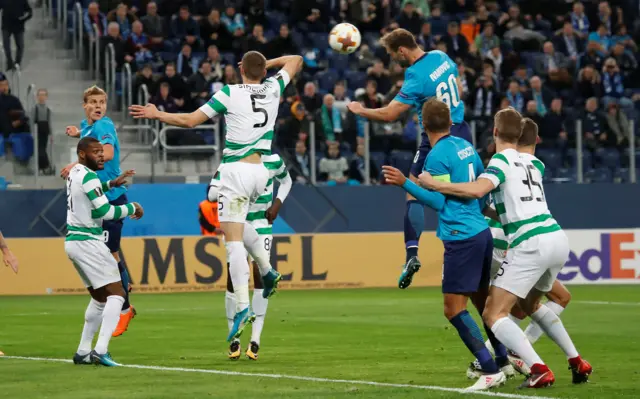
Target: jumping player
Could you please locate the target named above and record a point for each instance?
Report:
(261, 215)
(465, 235)
(102, 128)
(538, 248)
(428, 75)
(87, 207)
(250, 111)
(8, 257)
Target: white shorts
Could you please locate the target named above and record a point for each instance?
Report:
(241, 184)
(94, 262)
(533, 264)
(499, 256)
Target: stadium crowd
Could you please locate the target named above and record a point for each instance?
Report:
(556, 61)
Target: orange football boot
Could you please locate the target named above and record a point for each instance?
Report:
(124, 321)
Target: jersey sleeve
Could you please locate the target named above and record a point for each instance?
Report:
(411, 91)
(105, 132)
(94, 190)
(218, 103)
(286, 183)
(497, 170)
(438, 166)
(281, 80)
(539, 165)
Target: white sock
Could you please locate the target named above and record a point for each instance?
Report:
(239, 271)
(487, 343)
(230, 307)
(110, 318)
(513, 338)
(553, 327)
(259, 305)
(92, 319)
(255, 246)
(555, 308)
(533, 330)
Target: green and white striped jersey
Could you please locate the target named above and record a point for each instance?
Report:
(250, 112)
(87, 205)
(519, 196)
(257, 215)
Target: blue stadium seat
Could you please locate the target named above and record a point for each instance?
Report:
(609, 158)
(551, 157)
(355, 79)
(228, 58)
(319, 41)
(22, 146)
(168, 56)
(326, 80)
(402, 160)
(371, 39)
(339, 62)
(564, 175)
(298, 39)
(587, 158)
(599, 175)
(379, 158)
(275, 19)
(2, 145)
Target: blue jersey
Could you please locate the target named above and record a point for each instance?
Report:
(432, 75)
(104, 131)
(455, 160)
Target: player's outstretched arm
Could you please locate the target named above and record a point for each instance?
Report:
(474, 190)
(292, 64)
(431, 199)
(8, 257)
(102, 209)
(286, 183)
(150, 111)
(118, 181)
(389, 113)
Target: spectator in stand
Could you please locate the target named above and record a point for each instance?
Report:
(484, 99)
(456, 43)
(466, 78)
(521, 75)
(592, 56)
(425, 38)
(469, 28)
(333, 168)
(595, 127)
(618, 124)
(488, 39)
(589, 84)
(613, 86)
(483, 17)
(329, 119)
(357, 170)
(602, 38)
(213, 56)
(166, 103)
(569, 43)
(138, 45)
(540, 94)
(178, 87)
(515, 96)
(340, 98)
(495, 55)
(380, 75)
(15, 14)
(256, 41)
(185, 61)
(93, 16)
(362, 14)
(144, 77)
(409, 18)
(184, 28)
(119, 45)
(255, 12)
(124, 18)
(533, 113)
(154, 26)
(623, 37)
(553, 66)
(309, 16)
(41, 117)
(579, 20)
(311, 99)
(606, 17)
(234, 22)
(11, 109)
(230, 75)
(300, 164)
(283, 43)
(200, 84)
(214, 32)
(553, 132)
(627, 63)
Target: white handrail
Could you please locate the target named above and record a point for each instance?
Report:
(95, 48)
(127, 91)
(579, 160)
(367, 153)
(312, 152)
(632, 151)
(79, 30)
(65, 7)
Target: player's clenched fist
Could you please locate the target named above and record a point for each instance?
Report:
(393, 175)
(139, 211)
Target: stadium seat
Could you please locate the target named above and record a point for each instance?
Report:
(587, 159)
(402, 160)
(298, 39)
(2, 145)
(168, 56)
(319, 41)
(371, 39)
(326, 80)
(339, 62)
(564, 175)
(379, 158)
(22, 146)
(275, 19)
(598, 175)
(551, 157)
(355, 79)
(609, 158)
(228, 58)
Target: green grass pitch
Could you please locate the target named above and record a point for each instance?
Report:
(378, 335)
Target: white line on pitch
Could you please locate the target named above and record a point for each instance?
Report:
(608, 303)
(298, 378)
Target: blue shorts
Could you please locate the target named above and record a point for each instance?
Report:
(461, 130)
(114, 227)
(467, 264)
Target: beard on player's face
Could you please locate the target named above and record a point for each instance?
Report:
(94, 158)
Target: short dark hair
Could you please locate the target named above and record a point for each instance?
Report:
(436, 116)
(395, 39)
(508, 123)
(254, 65)
(205, 61)
(85, 143)
(529, 133)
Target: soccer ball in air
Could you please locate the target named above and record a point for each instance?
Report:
(344, 38)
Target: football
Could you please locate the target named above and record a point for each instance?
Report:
(344, 38)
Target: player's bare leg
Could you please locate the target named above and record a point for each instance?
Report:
(259, 305)
(230, 309)
(239, 271)
(413, 227)
(128, 312)
(112, 295)
(551, 324)
(495, 315)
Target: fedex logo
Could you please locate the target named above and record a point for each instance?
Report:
(599, 257)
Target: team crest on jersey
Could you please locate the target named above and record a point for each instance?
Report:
(106, 136)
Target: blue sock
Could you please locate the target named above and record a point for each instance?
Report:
(124, 276)
(413, 226)
(472, 338)
(499, 349)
